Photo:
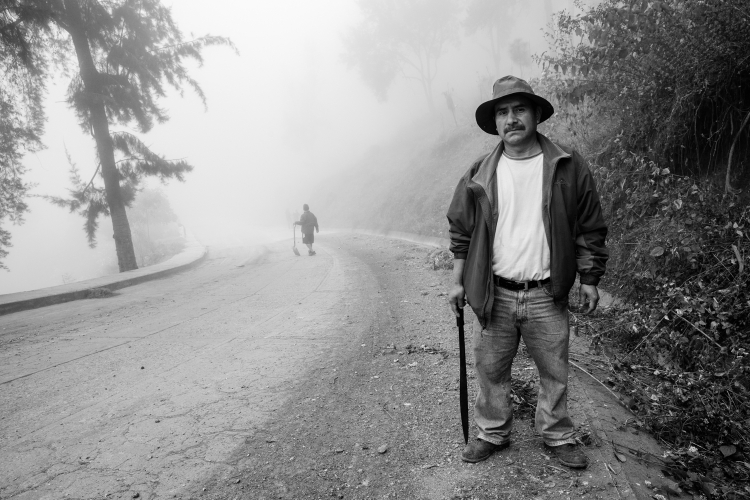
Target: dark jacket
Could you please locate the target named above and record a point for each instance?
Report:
(308, 221)
(571, 214)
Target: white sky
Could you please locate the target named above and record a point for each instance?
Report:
(282, 115)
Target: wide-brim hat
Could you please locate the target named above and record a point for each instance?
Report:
(504, 87)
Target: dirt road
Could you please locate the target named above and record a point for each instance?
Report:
(256, 375)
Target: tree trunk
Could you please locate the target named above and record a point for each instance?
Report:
(495, 45)
(75, 26)
(427, 89)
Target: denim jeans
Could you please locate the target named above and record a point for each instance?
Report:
(533, 315)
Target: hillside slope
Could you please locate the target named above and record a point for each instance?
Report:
(404, 185)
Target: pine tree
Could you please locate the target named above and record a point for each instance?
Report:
(127, 52)
(21, 119)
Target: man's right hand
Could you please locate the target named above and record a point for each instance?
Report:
(457, 298)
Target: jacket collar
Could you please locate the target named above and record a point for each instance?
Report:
(486, 172)
(484, 181)
(552, 155)
(552, 152)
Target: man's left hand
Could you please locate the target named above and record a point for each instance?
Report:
(588, 297)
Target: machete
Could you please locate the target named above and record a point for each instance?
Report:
(462, 376)
(294, 248)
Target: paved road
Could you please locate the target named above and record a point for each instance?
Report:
(152, 389)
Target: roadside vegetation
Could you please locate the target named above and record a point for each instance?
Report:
(657, 95)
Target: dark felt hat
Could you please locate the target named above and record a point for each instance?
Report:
(505, 86)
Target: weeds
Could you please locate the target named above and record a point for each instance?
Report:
(680, 358)
(440, 258)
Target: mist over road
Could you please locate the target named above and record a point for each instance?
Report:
(152, 389)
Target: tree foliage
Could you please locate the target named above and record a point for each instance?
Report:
(487, 16)
(17, 136)
(136, 161)
(675, 73)
(128, 54)
(21, 120)
(156, 235)
(401, 38)
(139, 52)
(88, 200)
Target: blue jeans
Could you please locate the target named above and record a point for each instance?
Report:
(533, 315)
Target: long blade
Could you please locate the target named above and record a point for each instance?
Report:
(294, 248)
(462, 376)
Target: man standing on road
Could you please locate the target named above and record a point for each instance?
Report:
(523, 220)
(308, 221)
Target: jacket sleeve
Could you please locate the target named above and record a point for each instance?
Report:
(316, 223)
(591, 230)
(461, 216)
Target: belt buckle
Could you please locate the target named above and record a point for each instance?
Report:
(525, 286)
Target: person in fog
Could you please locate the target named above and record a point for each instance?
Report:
(309, 222)
(523, 220)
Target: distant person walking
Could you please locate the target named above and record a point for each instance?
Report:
(523, 220)
(308, 221)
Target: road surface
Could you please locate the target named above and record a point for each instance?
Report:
(153, 388)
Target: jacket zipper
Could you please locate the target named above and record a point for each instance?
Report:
(490, 282)
(549, 218)
(489, 275)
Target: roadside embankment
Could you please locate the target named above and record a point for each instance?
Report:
(193, 253)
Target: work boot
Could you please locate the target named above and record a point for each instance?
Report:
(570, 455)
(479, 449)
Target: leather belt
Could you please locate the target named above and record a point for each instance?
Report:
(518, 285)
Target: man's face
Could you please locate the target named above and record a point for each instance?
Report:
(516, 118)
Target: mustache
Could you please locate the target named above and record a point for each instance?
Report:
(513, 128)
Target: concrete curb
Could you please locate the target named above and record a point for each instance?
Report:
(21, 301)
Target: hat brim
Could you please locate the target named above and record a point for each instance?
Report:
(485, 113)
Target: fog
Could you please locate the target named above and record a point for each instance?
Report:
(283, 115)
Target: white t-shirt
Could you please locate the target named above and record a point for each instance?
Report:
(520, 251)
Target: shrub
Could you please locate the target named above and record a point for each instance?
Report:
(440, 258)
(657, 95)
(673, 75)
